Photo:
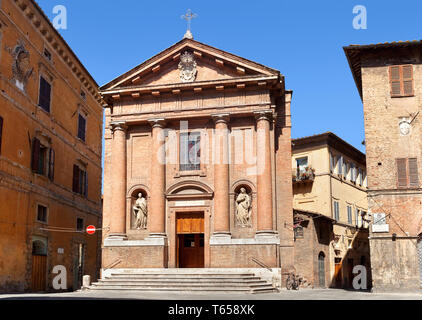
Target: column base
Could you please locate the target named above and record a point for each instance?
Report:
(117, 236)
(266, 234)
(157, 235)
(221, 235)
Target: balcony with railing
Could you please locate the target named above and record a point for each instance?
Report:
(303, 175)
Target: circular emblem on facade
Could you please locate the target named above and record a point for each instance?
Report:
(405, 127)
(187, 67)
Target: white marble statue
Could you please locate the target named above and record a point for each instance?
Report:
(243, 210)
(140, 211)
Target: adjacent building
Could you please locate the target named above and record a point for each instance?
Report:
(50, 154)
(197, 163)
(388, 77)
(330, 210)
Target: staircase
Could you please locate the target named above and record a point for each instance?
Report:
(183, 280)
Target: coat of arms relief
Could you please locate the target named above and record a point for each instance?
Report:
(21, 67)
(187, 67)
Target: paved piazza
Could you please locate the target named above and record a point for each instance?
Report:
(305, 294)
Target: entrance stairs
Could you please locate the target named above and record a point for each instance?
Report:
(183, 280)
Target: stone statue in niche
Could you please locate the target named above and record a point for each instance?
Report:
(243, 208)
(21, 67)
(140, 211)
(187, 67)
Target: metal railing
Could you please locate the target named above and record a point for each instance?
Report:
(261, 264)
(112, 265)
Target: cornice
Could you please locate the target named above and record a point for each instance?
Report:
(40, 22)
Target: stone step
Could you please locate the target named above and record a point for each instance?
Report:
(182, 281)
(183, 275)
(129, 277)
(177, 284)
(268, 288)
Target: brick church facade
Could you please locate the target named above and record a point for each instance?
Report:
(197, 163)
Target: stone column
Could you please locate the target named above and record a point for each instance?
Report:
(264, 174)
(118, 176)
(221, 177)
(157, 206)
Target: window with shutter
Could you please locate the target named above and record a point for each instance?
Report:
(353, 173)
(336, 211)
(44, 95)
(80, 181)
(349, 215)
(51, 164)
(340, 164)
(402, 172)
(401, 80)
(407, 72)
(75, 186)
(36, 145)
(81, 127)
(413, 172)
(1, 131)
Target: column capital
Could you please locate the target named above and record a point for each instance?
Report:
(263, 115)
(157, 122)
(118, 126)
(221, 117)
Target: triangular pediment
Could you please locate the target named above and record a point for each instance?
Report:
(198, 63)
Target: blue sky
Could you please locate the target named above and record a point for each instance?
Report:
(302, 39)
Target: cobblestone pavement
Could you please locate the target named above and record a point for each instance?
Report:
(304, 294)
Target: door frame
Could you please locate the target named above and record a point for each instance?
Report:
(173, 237)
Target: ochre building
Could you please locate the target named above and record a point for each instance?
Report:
(197, 163)
(50, 155)
(388, 77)
(330, 211)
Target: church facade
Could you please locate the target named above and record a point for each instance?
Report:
(197, 163)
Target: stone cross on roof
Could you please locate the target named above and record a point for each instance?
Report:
(188, 17)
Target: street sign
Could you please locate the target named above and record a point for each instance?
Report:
(90, 229)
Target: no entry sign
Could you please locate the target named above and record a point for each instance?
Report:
(90, 229)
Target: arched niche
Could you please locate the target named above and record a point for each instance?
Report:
(243, 194)
(132, 196)
(248, 185)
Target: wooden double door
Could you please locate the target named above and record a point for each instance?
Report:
(190, 240)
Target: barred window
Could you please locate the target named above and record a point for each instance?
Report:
(190, 151)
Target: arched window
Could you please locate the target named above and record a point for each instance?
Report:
(321, 269)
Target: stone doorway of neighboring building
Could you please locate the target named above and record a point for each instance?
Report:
(190, 240)
(321, 269)
(337, 272)
(39, 264)
(78, 265)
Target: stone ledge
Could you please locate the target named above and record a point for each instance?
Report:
(156, 241)
(226, 241)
